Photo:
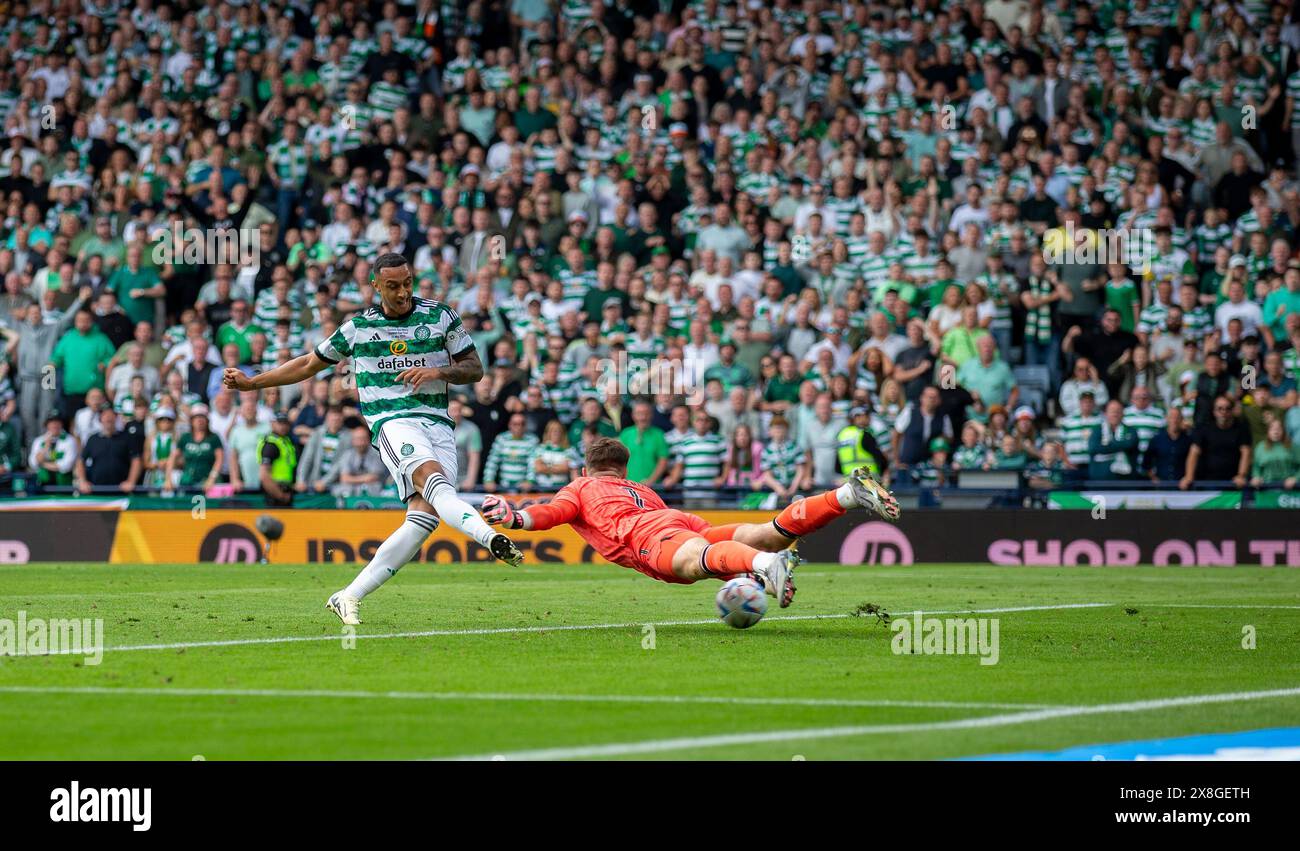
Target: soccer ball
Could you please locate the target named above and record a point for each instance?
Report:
(741, 602)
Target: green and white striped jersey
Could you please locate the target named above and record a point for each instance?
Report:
(544, 157)
(576, 284)
(386, 99)
(644, 349)
(1209, 238)
(782, 460)
(842, 210)
(970, 457)
(453, 73)
(562, 397)
(508, 460)
(291, 162)
(329, 450)
(266, 309)
(1201, 131)
(381, 348)
(1001, 290)
(920, 267)
(1146, 423)
(703, 457)
(552, 456)
(1078, 429)
(1248, 223)
(1197, 323)
(1153, 317)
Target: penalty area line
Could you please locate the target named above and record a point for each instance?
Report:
(513, 630)
(818, 733)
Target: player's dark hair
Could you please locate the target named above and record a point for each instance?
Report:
(389, 260)
(606, 453)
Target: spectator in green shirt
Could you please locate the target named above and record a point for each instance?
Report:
(1122, 295)
(99, 242)
(647, 445)
(1278, 305)
(82, 354)
(988, 378)
(239, 330)
(11, 446)
(590, 413)
(198, 454)
(1009, 454)
(1275, 461)
(960, 343)
(533, 117)
(782, 392)
(730, 373)
(137, 287)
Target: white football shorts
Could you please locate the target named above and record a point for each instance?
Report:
(407, 442)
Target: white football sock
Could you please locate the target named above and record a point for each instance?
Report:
(457, 513)
(763, 561)
(844, 493)
(401, 547)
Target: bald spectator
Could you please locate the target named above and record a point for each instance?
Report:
(110, 459)
(1220, 450)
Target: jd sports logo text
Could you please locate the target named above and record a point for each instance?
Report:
(332, 550)
(876, 543)
(230, 543)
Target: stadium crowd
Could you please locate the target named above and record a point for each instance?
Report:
(761, 242)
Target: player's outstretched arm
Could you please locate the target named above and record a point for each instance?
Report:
(290, 372)
(535, 518)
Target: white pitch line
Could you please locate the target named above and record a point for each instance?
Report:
(508, 696)
(725, 739)
(511, 630)
(1212, 606)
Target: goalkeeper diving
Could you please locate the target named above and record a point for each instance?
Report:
(629, 525)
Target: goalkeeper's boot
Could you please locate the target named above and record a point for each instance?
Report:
(778, 578)
(872, 495)
(345, 607)
(504, 549)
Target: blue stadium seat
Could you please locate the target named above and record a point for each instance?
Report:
(1035, 386)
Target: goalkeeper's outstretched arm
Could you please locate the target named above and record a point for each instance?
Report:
(535, 518)
(290, 372)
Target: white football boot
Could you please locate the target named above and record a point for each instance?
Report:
(872, 495)
(778, 578)
(346, 608)
(504, 549)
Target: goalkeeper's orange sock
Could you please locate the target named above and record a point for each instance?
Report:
(804, 516)
(731, 558)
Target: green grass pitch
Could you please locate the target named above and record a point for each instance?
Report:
(556, 661)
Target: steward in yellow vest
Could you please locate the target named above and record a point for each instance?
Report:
(857, 447)
(279, 458)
